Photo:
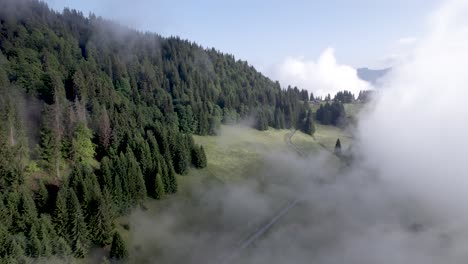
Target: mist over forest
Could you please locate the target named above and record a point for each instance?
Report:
(123, 146)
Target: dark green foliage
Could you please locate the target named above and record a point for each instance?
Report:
(136, 182)
(158, 187)
(77, 229)
(338, 147)
(27, 210)
(61, 247)
(181, 156)
(34, 247)
(61, 213)
(118, 248)
(309, 126)
(113, 119)
(41, 196)
(344, 97)
(105, 174)
(15, 249)
(262, 120)
(198, 157)
(331, 114)
(46, 234)
(101, 219)
(172, 179)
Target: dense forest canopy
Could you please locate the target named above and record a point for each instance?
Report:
(95, 117)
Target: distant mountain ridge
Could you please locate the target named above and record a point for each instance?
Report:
(371, 75)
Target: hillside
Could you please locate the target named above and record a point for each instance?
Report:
(96, 118)
(371, 75)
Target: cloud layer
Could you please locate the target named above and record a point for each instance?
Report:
(321, 77)
(415, 132)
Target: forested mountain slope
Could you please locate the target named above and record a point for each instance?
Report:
(95, 117)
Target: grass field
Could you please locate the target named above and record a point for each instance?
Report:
(238, 151)
(234, 157)
(352, 110)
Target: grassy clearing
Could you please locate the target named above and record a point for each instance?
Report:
(237, 151)
(353, 110)
(326, 136)
(234, 156)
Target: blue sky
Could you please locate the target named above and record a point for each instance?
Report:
(362, 32)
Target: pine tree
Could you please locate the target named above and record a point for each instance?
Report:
(198, 157)
(61, 247)
(338, 147)
(83, 149)
(42, 196)
(61, 213)
(105, 174)
(164, 172)
(15, 251)
(27, 210)
(46, 235)
(172, 179)
(101, 222)
(118, 248)
(77, 230)
(105, 129)
(137, 183)
(159, 187)
(34, 247)
(309, 127)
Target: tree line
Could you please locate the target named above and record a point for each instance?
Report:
(96, 117)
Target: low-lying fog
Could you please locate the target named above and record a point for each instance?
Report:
(403, 200)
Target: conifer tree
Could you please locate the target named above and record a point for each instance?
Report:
(202, 158)
(83, 149)
(164, 172)
(159, 187)
(42, 196)
(61, 248)
(46, 234)
(136, 180)
(181, 156)
(61, 213)
(118, 248)
(338, 147)
(15, 250)
(34, 247)
(309, 127)
(101, 226)
(27, 210)
(105, 174)
(77, 230)
(198, 157)
(172, 179)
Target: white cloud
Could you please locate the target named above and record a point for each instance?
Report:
(322, 77)
(401, 51)
(416, 132)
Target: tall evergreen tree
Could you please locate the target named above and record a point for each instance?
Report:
(338, 147)
(118, 248)
(61, 218)
(41, 196)
(77, 230)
